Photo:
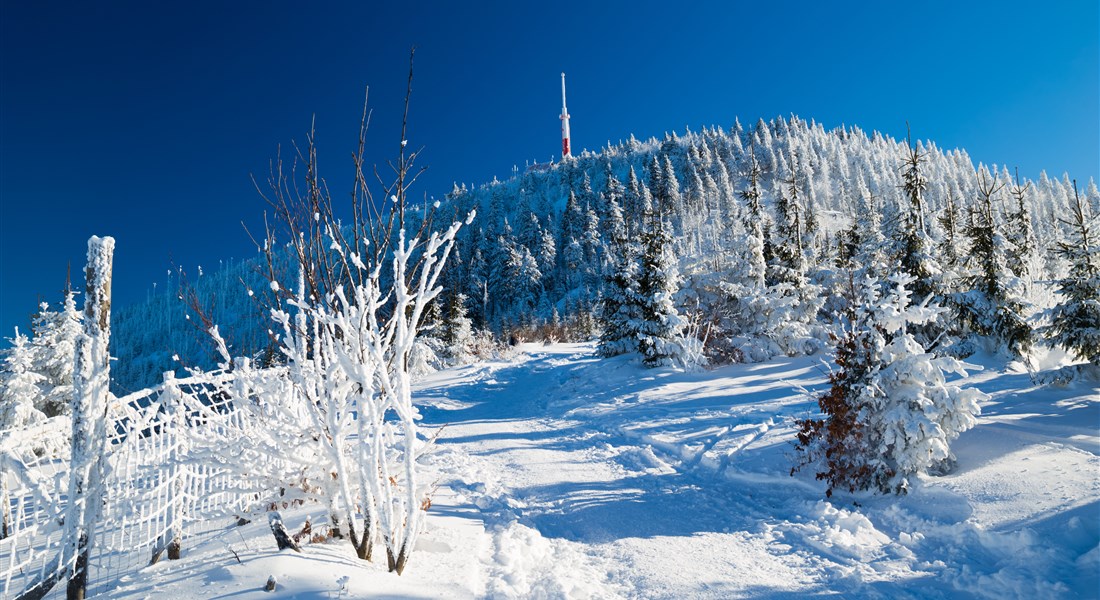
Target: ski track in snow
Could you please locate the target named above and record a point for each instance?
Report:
(566, 476)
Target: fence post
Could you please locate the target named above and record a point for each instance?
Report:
(5, 508)
(172, 537)
(91, 382)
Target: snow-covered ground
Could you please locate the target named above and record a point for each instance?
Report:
(566, 476)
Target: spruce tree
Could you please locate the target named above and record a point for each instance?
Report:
(632, 202)
(992, 304)
(912, 249)
(1018, 230)
(751, 195)
(478, 285)
(788, 263)
(889, 413)
(53, 348)
(1075, 321)
(660, 327)
(949, 221)
(456, 331)
(20, 387)
(620, 312)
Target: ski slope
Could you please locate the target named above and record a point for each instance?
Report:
(562, 475)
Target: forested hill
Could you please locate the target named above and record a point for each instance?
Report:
(538, 258)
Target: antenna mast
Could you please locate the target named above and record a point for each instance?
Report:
(564, 122)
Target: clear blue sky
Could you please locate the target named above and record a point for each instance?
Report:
(143, 120)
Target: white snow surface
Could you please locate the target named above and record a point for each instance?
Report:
(562, 475)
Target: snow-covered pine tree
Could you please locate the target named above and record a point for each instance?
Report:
(593, 248)
(950, 244)
(660, 327)
(751, 197)
(613, 191)
(1018, 231)
(621, 310)
(53, 347)
(456, 331)
(499, 258)
(913, 243)
(21, 386)
(1075, 321)
(1092, 197)
(523, 280)
(665, 187)
(889, 413)
(861, 245)
(477, 285)
(788, 264)
(632, 201)
(993, 302)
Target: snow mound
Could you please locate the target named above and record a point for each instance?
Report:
(524, 564)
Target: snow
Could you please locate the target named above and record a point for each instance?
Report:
(562, 475)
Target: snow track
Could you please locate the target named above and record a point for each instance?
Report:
(646, 483)
(565, 476)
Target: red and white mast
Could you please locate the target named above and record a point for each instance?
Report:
(564, 122)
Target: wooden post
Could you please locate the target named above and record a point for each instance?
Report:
(5, 509)
(174, 408)
(91, 382)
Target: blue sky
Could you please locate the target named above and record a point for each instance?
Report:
(144, 121)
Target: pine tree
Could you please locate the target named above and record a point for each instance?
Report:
(620, 312)
(889, 413)
(949, 245)
(21, 386)
(913, 246)
(664, 186)
(573, 222)
(788, 263)
(524, 280)
(593, 247)
(530, 232)
(499, 257)
(992, 304)
(660, 327)
(547, 252)
(632, 201)
(1019, 233)
(456, 331)
(53, 348)
(478, 285)
(614, 191)
(1075, 321)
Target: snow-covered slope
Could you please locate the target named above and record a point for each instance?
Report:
(566, 476)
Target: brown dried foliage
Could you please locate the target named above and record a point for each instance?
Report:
(839, 439)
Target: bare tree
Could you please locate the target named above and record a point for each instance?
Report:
(348, 329)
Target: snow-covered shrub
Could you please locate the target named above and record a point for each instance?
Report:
(889, 413)
(21, 386)
(348, 332)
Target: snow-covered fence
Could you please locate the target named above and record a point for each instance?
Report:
(34, 476)
(157, 493)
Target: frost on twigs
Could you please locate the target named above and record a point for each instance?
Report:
(346, 333)
(889, 413)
